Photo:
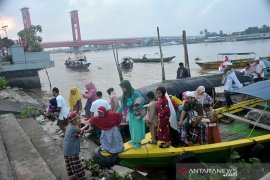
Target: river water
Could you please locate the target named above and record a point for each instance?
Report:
(104, 74)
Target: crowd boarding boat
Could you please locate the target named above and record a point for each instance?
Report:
(238, 135)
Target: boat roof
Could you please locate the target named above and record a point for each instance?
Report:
(243, 53)
(178, 86)
(259, 89)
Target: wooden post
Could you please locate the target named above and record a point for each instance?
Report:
(186, 52)
(161, 57)
(115, 54)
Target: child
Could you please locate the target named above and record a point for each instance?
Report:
(110, 139)
(51, 108)
(163, 116)
(72, 148)
(213, 134)
(151, 118)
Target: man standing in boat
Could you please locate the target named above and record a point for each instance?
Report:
(257, 68)
(230, 82)
(182, 72)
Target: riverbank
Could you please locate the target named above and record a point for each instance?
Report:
(16, 108)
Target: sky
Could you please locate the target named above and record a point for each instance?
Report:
(105, 19)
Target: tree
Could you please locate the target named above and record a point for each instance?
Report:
(31, 38)
(221, 33)
(201, 33)
(5, 42)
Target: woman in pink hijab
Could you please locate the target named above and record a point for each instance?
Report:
(90, 95)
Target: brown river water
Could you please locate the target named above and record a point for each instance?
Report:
(104, 74)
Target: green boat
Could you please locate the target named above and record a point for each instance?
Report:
(145, 59)
(239, 136)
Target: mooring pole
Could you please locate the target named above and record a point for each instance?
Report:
(161, 56)
(184, 38)
(115, 54)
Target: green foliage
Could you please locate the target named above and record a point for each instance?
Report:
(249, 30)
(5, 42)
(3, 83)
(30, 36)
(29, 113)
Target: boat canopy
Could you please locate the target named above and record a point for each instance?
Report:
(260, 89)
(230, 54)
(178, 86)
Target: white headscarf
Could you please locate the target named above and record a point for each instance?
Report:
(200, 97)
(173, 119)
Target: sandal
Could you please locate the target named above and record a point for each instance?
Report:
(161, 146)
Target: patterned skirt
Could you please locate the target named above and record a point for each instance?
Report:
(74, 167)
(196, 134)
(111, 140)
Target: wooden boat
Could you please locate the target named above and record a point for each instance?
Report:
(238, 136)
(77, 63)
(145, 59)
(237, 63)
(126, 63)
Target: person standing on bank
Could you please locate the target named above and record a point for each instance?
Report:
(75, 100)
(182, 72)
(230, 82)
(90, 95)
(71, 148)
(136, 126)
(62, 108)
(97, 103)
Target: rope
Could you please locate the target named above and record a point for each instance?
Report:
(265, 107)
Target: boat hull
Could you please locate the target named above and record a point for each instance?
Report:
(84, 66)
(237, 63)
(126, 66)
(168, 59)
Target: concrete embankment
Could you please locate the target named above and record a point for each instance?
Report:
(32, 149)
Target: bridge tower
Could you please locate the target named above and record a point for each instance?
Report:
(75, 24)
(26, 17)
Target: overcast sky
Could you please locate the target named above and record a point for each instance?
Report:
(101, 19)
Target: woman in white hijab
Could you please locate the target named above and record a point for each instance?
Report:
(202, 96)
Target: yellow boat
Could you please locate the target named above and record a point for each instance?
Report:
(149, 157)
(237, 63)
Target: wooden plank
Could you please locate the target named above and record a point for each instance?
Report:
(247, 121)
(259, 110)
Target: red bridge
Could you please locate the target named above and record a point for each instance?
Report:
(76, 34)
(89, 42)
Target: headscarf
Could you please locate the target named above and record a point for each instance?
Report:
(126, 84)
(90, 86)
(108, 121)
(200, 97)
(73, 99)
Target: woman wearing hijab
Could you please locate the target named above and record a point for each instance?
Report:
(75, 100)
(90, 95)
(202, 97)
(136, 124)
(108, 122)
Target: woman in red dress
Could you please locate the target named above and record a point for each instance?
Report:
(163, 116)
